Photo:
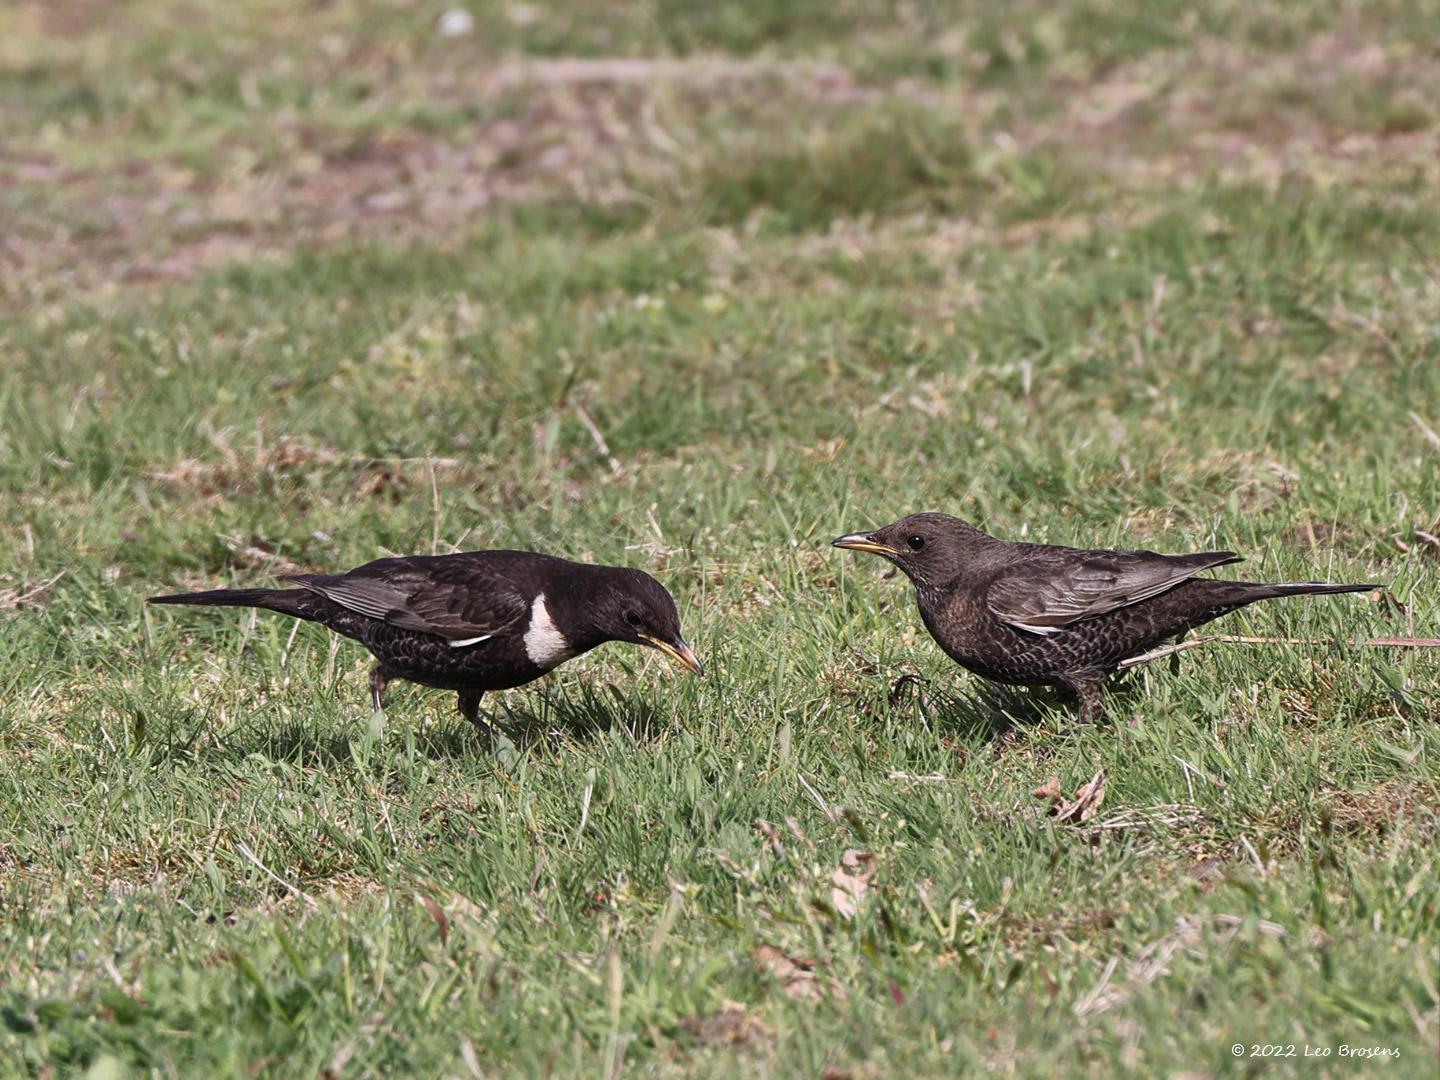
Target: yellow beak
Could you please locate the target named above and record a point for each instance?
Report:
(681, 653)
(862, 542)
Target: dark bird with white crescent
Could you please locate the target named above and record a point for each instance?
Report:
(476, 620)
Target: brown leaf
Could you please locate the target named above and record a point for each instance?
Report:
(1049, 790)
(796, 975)
(850, 881)
(1086, 803)
(437, 913)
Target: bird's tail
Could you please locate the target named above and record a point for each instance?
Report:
(288, 601)
(1240, 593)
(1311, 588)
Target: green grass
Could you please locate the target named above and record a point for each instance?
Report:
(971, 278)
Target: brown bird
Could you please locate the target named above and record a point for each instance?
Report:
(476, 620)
(1044, 615)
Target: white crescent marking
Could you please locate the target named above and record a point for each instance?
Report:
(544, 643)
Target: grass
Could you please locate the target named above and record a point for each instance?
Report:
(1090, 274)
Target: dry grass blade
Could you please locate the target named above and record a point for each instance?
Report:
(19, 597)
(568, 71)
(1168, 815)
(1153, 960)
(244, 850)
(1246, 639)
(598, 438)
(1427, 431)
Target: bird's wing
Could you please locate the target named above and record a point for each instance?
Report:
(452, 598)
(1058, 587)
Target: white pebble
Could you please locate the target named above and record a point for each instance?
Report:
(457, 22)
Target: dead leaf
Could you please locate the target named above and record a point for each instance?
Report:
(796, 975)
(437, 913)
(1049, 790)
(850, 881)
(1086, 803)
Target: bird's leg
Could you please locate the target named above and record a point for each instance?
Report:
(899, 687)
(378, 681)
(1091, 700)
(1175, 656)
(470, 709)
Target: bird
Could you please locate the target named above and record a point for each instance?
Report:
(473, 621)
(1044, 615)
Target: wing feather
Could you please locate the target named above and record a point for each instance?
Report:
(1059, 587)
(458, 599)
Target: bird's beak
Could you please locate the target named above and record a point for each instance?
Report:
(862, 542)
(681, 653)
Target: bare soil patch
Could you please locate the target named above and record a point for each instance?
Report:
(606, 131)
(571, 129)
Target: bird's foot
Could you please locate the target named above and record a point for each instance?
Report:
(901, 687)
(485, 728)
(1008, 736)
(470, 709)
(378, 682)
(1092, 701)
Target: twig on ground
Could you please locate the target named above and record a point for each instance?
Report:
(13, 598)
(1426, 430)
(598, 438)
(244, 849)
(932, 778)
(1246, 639)
(825, 808)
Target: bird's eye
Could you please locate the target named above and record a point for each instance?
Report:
(632, 618)
(916, 543)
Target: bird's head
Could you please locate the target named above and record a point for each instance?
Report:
(632, 606)
(931, 548)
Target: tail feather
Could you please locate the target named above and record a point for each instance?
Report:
(1237, 594)
(287, 601)
(1311, 588)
